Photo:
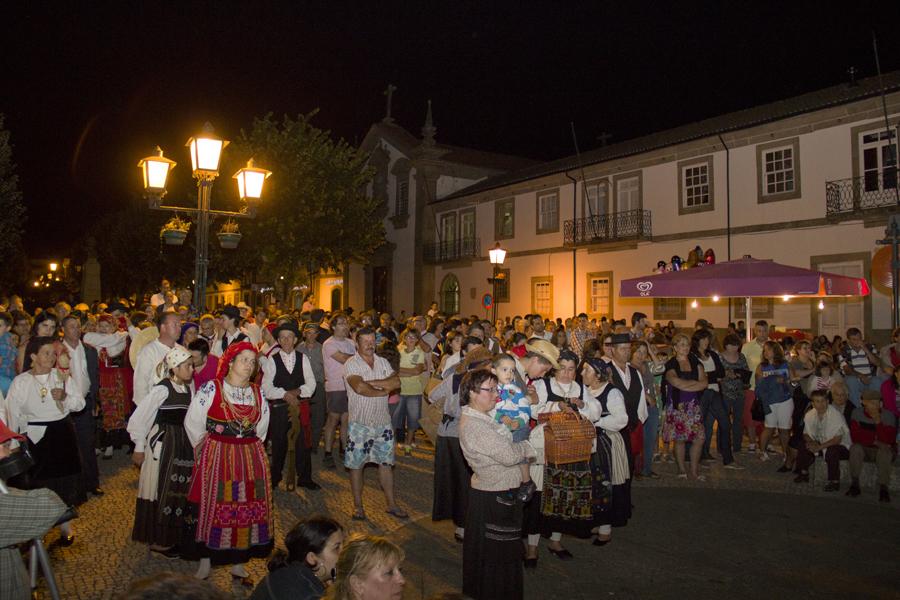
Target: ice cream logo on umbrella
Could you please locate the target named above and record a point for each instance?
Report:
(644, 287)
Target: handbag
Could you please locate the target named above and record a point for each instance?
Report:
(757, 411)
(568, 438)
(432, 415)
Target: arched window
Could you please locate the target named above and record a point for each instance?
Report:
(450, 295)
(336, 297)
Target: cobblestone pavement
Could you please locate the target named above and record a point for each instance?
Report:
(739, 534)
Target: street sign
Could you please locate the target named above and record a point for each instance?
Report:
(487, 301)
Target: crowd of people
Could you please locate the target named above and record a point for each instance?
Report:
(539, 426)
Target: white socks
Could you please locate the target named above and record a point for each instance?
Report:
(65, 529)
(239, 570)
(204, 569)
(460, 531)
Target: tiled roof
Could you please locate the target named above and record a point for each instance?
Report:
(757, 115)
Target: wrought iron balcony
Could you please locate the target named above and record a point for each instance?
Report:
(616, 227)
(451, 250)
(856, 195)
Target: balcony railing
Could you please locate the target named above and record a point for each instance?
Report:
(874, 190)
(615, 227)
(451, 250)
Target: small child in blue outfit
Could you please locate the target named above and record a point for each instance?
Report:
(513, 409)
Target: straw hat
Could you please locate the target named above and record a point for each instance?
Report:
(140, 340)
(544, 349)
(477, 355)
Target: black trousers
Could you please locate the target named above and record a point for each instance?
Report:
(85, 432)
(279, 426)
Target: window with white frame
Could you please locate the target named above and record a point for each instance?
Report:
(504, 219)
(467, 224)
(778, 171)
(542, 296)
(548, 212)
(695, 185)
(628, 194)
(597, 193)
(598, 289)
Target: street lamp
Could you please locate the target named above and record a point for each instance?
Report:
(497, 256)
(206, 152)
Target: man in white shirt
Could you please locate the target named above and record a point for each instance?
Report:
(231, 322)
(145, 376)
(163, 296)
(825, 432)
(288, 379)
(538, 329)
(84, 369)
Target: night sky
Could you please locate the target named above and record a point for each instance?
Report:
(88, 92)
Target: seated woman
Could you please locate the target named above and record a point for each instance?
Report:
(492, 549)
(368, 567)
(308, 565)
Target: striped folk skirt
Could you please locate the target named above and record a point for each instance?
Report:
(232, 487)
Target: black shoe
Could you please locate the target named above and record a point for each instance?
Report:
(275, 484)
(784, 469)
(802, 478)
(170, 553)
(531, 563)
(599, 542)
(309, 485)
(97, 491)
(853, 491)
(884, 495)
(833, 486)
(526, 491)
(66, 540)
(561, 554)
(328, 460)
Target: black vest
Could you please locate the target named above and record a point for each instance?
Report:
(285, 380)
(553, 397)
(632, 394)
(239, 337)
(174, 408)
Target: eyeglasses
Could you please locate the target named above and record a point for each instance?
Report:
(492, 390)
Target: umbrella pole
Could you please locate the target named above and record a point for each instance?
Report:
(749, 324)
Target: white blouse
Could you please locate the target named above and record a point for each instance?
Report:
(29, 401)
(617, 419)
(142, 419)
(195, 420)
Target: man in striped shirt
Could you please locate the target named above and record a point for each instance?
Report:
(370, 380)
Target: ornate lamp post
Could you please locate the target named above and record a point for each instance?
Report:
(497, 255)
(206, 150)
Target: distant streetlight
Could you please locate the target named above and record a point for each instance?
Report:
(497, 256)
(206, 151)
(53, 267)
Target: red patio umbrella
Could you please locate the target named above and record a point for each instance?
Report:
(743, 278)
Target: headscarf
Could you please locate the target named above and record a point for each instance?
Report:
(229, 355)
(108, 318)
(184, 329)
(172, 359)
(600, 366)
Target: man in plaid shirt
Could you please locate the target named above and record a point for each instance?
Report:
(581, 333)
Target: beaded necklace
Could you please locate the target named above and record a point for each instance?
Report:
(242, 417)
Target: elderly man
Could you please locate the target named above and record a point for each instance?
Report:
(874, 433)
(370, 380)
(627, 380)
(288, 379)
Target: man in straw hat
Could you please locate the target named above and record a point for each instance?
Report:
(288, 379)
(540, 357)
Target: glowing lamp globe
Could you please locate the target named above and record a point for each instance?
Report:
(497, 254)
(156, 171)
(250, 181)
(206, 150)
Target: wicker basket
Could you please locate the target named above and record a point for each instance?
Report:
(568, 438)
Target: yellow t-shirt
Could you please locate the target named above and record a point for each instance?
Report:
(412, 385)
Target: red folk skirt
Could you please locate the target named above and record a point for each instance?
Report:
(232, 487)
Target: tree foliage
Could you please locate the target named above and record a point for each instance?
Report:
(12, 216)
(315, 213)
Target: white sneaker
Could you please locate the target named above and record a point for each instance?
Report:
(734, 467)
(764, 456)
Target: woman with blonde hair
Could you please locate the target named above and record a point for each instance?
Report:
(368, 568)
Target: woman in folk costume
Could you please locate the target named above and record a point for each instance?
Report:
(116, 380)
(165, 455)
(226, 423)
(611, 496)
